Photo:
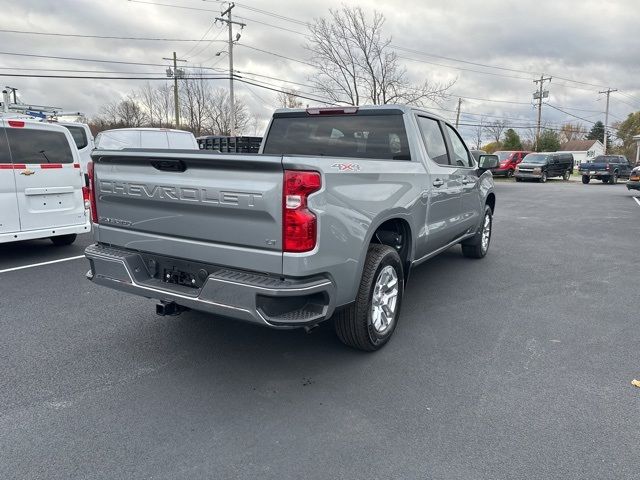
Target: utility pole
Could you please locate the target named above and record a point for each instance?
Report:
(458, 113)
(230, 24)
(539, 95)
(606, 116)
(176, 74)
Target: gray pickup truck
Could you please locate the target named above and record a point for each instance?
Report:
(326, 221)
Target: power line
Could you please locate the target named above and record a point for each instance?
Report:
(106, 37)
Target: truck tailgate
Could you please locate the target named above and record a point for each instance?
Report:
(217, 208)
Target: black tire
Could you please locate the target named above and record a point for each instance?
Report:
(613, 179)
(518, 179)
(62, 240)
(353, 324)
(604, 180)
(586, 179)
(543, 178)
(473, 247)
(567, 175)
(509, 173)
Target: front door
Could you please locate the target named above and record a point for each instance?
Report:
(9, 214)
(443, 193)
(47, 176)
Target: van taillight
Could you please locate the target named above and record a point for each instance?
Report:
(16, 123)
(92, 193)
(299, 224)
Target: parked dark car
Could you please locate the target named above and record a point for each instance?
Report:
(476, 154)
(634, 179)
(607, 168)
(508, 162)
(540, 166)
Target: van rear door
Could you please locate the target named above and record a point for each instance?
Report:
(47, 175)
(9, 215)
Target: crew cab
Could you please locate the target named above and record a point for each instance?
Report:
(508, 162)
(606, 168)
(325, 221)
(41, 184)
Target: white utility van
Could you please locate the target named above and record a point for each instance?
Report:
(84, 141)
(165, 138)
(41, 183)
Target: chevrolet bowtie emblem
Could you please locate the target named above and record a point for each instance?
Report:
(27, 172)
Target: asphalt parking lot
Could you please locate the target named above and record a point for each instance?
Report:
(515, 366)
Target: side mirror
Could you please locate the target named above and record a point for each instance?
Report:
(487, 162)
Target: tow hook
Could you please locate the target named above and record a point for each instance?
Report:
(169, 308)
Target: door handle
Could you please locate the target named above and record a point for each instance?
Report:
(438, 183)
(467, 181)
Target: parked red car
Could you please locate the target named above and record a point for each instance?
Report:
(508, 161)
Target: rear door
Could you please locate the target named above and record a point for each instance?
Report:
(48, 177)
(9, 214)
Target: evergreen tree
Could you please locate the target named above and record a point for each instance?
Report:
(549, 141)
(597, 133)
(511, 140)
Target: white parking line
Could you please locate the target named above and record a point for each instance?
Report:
(637, 200)
(13, 269)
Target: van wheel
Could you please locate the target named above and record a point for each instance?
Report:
(586, 179)
(543, 178)
(478, 245)
(567, 175)
(613, 179)
(61, 240)
(369, 322)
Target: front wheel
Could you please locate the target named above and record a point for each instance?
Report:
(613, 179)
(62, 240)
(509, 173)
(478, 245)
(369, 322)
(567, 175)
(543, 178)
(586, 179)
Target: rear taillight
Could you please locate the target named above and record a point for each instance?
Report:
(92, 193)
(16, 123)
(86, 194)
(299, 224)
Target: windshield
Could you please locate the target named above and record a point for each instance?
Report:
(503, 155)
(376, 136)
(535, 158)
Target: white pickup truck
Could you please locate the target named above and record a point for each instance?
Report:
(42, 193)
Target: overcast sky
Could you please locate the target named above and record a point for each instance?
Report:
(589, 41)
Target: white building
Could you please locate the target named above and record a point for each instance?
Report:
(583, 150)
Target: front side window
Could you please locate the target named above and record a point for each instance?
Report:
(433, 140)
(381, 137)
(461, 157)
(30, 145)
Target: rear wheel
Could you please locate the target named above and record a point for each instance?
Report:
(61, 240)
(567, 175)
(369, 322)
(478, 246)
(543, 178)
(509, 173)
(586, 179)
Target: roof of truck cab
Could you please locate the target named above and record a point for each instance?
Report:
(393, 106)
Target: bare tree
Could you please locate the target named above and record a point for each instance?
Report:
(479, 132)
(289, 99)
(572, 131)
(195, 94)
(220, 116)
(355, 63)
(495, 129)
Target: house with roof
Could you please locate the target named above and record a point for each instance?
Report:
(583, 150)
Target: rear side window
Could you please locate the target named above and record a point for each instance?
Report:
(381, 137)
(79, 136)
(181, 141)
(5, 157)
(433, 140)
(38, 146)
